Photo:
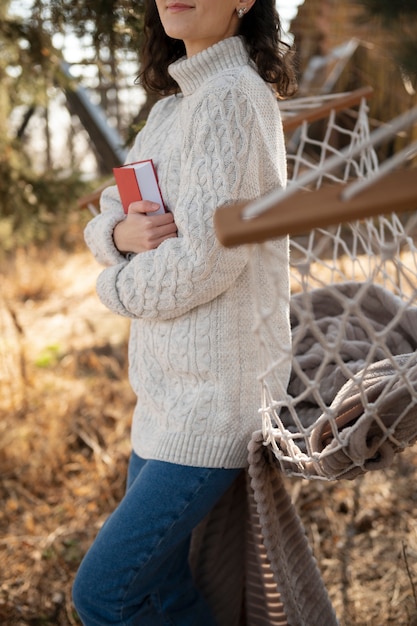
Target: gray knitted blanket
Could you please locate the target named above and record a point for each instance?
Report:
(255, 529)
(370, 383)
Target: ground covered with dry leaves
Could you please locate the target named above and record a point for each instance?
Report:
(65, 408)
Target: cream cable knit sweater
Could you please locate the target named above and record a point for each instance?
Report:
(193, 357)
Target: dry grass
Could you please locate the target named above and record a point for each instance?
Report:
(65, 409)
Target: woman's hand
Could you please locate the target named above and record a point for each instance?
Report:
(142, 231)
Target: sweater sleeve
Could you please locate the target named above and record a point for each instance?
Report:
(234, 150)
(98, 234)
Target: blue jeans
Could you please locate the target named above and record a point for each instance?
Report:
(137, 571)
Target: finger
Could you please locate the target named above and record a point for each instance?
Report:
(154, 239)
(162, 239)
(166, 229)
(162, 218)
(143, 206)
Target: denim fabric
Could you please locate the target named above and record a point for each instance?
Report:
(137, 572)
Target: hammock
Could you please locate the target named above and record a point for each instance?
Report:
(351, 402)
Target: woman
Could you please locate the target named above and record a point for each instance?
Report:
(216, 138)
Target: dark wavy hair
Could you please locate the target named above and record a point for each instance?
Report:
(260, 29)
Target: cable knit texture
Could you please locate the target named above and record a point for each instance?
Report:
(193, 358)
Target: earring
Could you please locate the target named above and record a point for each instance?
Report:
(241, 12)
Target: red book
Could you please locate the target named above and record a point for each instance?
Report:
(138, 181)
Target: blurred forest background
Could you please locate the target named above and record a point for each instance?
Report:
(69, 109)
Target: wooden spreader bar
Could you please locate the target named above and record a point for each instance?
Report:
(305, 210)
(297, 211)
(338, 103)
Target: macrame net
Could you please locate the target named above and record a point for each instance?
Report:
(351, 401)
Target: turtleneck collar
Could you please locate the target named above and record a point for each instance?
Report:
(194, 71)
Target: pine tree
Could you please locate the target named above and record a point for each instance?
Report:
(29, 199)
(30, 70)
